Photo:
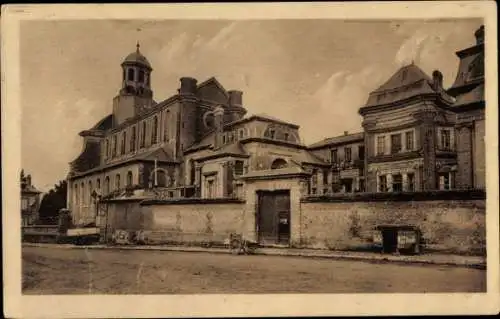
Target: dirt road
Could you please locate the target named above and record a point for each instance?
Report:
(79, 271)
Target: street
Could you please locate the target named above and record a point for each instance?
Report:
(95, 271)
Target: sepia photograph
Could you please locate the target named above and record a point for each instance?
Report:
(251, 156)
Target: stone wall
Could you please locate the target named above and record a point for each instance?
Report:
(190, 221)
(454, 226)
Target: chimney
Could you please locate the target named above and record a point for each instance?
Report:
(188, 86)
(346, 133)
(235, 98)
(437, 81)
(479, 35)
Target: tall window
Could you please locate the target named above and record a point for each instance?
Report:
(210, 188)
(361, 152)
(143, 135)
(241, 134)
(272, 134)
(333, 156)
(382, 183)
(106, 143)
(154, 134)
(117, 181)
(77, 195)
(445, 139)
(165, 130)
(141, 76)
(347, 154)
(444, 181)
(409, 141)
(129, 178)
(131, 75)
(82, 186)
(132, 139)
(106, 185)
(238, 168)
(124, 140)
(325, 177)
(98, 184)
(314, 176)
(90, 191)
(397, 183)
(380, 145)
(115, 142)
(411, 182)
(286, 136)
(395, 143)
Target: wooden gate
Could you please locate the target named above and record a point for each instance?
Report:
(273, 217)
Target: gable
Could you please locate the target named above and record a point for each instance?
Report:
(212, 90)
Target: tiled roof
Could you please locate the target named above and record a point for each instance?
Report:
(338, 140)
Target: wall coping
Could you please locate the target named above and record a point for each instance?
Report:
(457, 195)
(190, 201)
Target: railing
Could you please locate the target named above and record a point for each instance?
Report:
(40, 230)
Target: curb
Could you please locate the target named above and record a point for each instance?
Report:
(262, 251)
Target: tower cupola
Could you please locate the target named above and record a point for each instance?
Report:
(136, 78)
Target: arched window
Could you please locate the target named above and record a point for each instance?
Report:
(154, 133)
(117, 181)
(131, 75)
(192, 171)
(132, 139)
(129, 178)
(90, 191)
(143, 135)
(124, 140)
(106, 143)
(165, 130)
(82, 186)
(106, 185)
(115, 146)
(77, 195)
(278, 163)
(141, 76)
(98, 184)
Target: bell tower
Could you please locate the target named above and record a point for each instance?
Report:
(135, 94)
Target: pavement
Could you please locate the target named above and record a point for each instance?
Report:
(478, 262)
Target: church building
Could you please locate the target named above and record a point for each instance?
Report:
(198, 147)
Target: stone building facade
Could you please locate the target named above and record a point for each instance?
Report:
(197, 151)
(30, 200)
(417, 135)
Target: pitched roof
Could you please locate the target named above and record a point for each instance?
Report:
(341, 139)
(262, 117)
(213, 80)
(233, 149)
(407, 82)
(472, 96)
(309, 158)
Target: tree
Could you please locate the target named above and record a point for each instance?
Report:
(52, 202)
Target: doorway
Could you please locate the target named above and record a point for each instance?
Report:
(273, 217)
(390, 240)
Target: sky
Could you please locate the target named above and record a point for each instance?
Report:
(314, 73)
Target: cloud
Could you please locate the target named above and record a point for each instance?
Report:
(221, 37)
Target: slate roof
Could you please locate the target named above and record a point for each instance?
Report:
(233, 149)
(407, 82)
(341, 139)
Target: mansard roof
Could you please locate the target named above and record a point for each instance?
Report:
(336, 140)
(409, 81)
